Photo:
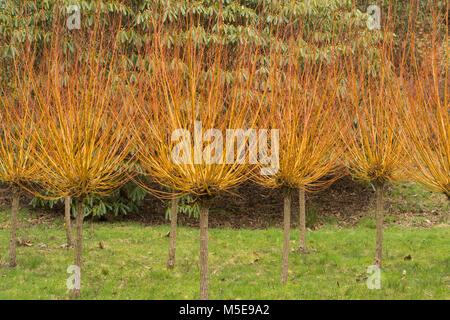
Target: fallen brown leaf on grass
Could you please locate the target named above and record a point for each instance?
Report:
(25, 243)
(255, 260)
(35, 220)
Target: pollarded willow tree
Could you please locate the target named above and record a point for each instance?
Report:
(17, 165)
(81, 135)
(302, 105)
(190, 114)
(374, 149)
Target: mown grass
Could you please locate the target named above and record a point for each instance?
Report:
(244, 264)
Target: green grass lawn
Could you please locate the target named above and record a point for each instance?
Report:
(244, 264)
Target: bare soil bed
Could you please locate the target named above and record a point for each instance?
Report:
(250, 206)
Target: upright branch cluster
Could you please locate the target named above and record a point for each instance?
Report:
(426, 120)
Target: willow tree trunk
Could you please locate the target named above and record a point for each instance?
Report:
(204, 276)
(287, 229)
(302, 222)
(379, 216)
(13, 237)
(67, 221)
(79, 203)
(173, 233)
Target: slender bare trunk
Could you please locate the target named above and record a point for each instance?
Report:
(13, 237)
(67, 221)
(302, 226)
(76, 292)
(287, 227)
(379, 216)
(173, 233)
(204, 276)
